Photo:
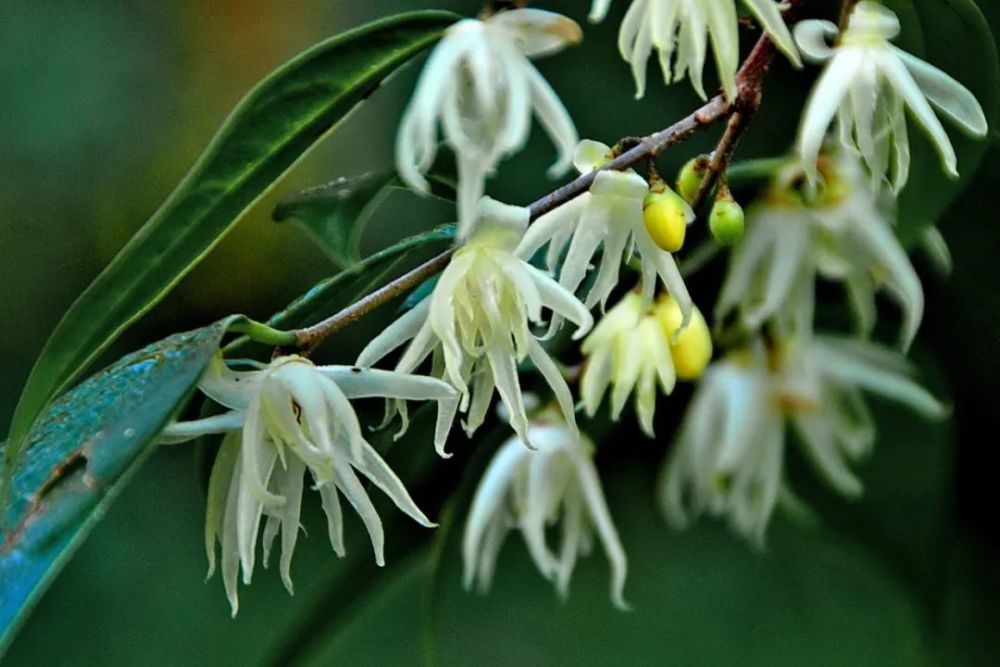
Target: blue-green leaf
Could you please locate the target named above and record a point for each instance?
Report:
(284, 116)
(80, 453)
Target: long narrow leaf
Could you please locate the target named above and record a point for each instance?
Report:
(273, 127)
(81, 452)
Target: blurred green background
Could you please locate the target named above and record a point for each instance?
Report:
(104, 105)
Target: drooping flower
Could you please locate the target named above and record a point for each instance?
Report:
(728, 458)
(633, 348)
(529, 491)
(608, 217)
(843, 233)
(868, 84)
(283, 420)
(480, 87)
(477, 322)
(680, 31)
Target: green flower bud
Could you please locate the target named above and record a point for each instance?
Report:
(691, 176)
(726, 221)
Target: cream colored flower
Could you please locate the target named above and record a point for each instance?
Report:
(477, 322)
(609, 219)
(529, 491)
(480, 87)
(868, 84)
(680, 31)
(285, 419)
(728, 458)
(842, 233)
(632, 349)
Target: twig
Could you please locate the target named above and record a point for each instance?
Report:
(309, 337)
(748, 81)
(846, 9)
(723, 153)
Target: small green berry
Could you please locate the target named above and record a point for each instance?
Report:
(726, 221)
(691, 176)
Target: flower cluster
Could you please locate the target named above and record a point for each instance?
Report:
(635, 347)
(493, 314)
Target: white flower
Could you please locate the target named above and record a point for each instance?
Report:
(728, 458)
(609, 216)
(529, 491)
(842, 233)
(868, 84)
(479, 85)
(631, 349)
(684, 27)
(477, 321)
(284, 419)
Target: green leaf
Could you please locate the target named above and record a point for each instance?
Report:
(336, 214)
(271, 129)
(955, 37)
(81, 452)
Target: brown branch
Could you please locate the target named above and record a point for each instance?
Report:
(846, 9)
(749, 80)
(721, 156)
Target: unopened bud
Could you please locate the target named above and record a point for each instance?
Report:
(691, 348)
(666, 216)
(726, 221)
(691, 176)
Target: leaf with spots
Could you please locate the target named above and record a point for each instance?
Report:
(80, 453)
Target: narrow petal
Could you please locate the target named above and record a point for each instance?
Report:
(378, 471)
(554, 377)
(769, 15)
(233, 389)
(822, 450)
(556, 121)
(394, 335)
(904, 84)
(223, 471)
(548, 227)
(290, 482)
(947, 94)
(590, 487)
(350, 486)
(490, 496)
(723, 27)
(539, 32)
(562, 302)
(823, 103)
(179, 432)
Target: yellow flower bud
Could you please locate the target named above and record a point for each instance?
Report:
(666, 216)
(690, 177)
(692, 349)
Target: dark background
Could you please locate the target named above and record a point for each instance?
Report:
(104, 105)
